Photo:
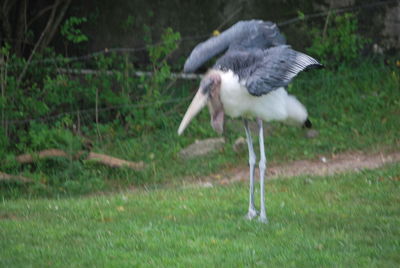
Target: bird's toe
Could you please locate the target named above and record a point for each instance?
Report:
(263, 219)
(251, 214)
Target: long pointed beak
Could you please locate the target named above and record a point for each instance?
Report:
(198, 102)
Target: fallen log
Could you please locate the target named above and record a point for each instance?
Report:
(103, 159)
(10, 178)
(30, 158)
(114, 162)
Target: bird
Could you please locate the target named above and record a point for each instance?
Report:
(248, 81)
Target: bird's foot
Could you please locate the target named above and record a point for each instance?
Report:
(263, 219)
(251, 214)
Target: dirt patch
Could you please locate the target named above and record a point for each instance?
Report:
(323, 165)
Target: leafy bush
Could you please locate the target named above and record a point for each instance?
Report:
(41, 136)
(70, 31)
(45, 94)
(340, 44)
(151, 116)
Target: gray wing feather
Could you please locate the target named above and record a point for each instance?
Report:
(243, 35)
(206, 50)
(278, 66)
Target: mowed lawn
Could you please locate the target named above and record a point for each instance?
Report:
(350, 220)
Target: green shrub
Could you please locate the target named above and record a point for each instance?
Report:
(340, 43)
(150, 112)
(41, 136)
(116, 99)
(70, 31)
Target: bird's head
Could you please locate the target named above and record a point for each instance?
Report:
(208, 93)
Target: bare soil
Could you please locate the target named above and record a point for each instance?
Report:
(323, 165)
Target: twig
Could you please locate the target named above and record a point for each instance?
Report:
(50, 23)
(137, 73)
(8, 177)
(3, 76)
(229, 18)
(96, 107)
(337, 11)
(57, 20)
(22, 74)
(327, 21)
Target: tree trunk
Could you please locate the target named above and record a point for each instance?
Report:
(5, 19)
(55, 21)
(15, 20)
(21, 28)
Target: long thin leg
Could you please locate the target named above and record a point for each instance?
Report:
(252, 162)
(262, 166)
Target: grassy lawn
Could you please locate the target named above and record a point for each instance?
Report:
(348, 220)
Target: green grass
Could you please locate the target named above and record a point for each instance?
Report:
(349, 220)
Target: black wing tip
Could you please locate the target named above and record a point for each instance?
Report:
(307, 124)
(314, 66)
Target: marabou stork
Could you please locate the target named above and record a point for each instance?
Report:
(249, 81)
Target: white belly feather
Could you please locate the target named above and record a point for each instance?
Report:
(276, 105)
